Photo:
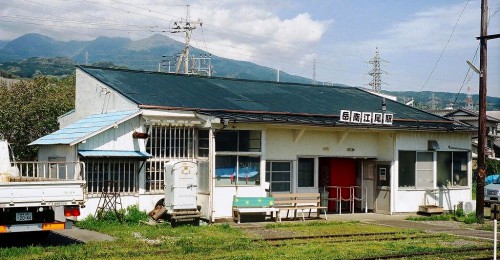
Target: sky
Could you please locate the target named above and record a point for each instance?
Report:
(424, 44)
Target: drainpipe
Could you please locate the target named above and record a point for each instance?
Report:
(211, 172)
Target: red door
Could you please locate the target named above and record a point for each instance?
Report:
(343, 174)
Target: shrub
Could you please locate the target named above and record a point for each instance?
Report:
(131, 215)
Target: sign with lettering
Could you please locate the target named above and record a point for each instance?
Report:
(349, 116)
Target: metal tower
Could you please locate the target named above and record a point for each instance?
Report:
(186, 27)
(468, 100)
(376, 82)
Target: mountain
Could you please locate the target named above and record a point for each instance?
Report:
(33, 54)
(37, 45)
(3, 43)
(144, 54)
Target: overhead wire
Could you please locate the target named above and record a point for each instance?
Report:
(467, 78)
(445, 46)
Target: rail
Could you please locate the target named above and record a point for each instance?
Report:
(50, 170)
(352, 198)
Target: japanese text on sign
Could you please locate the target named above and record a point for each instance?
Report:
(366, 117)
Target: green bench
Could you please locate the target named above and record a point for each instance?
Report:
(253, 205)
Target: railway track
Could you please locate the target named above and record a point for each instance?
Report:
(476, 253)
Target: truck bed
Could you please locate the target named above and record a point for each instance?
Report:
(42, 193)
(44, 184)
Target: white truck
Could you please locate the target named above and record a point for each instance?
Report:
(39, 196)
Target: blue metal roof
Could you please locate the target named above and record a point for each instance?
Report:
(114, 154)
(85, 128)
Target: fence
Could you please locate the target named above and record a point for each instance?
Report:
(50, 170)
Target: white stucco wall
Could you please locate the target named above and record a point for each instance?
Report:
(409, 199)
(93, 97)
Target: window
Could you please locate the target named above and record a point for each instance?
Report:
(237, 161)
(306, 172)
(407, 169)
(416, 169)
(278, 174)
(113, 175)
(452, 169)
(203, 143)
(238, 141)
(171, 142)
(168, 142)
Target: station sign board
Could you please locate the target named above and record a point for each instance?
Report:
(376, 118)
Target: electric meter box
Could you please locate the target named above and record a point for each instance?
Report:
(181, 185)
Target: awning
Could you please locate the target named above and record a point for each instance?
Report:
(114, 154)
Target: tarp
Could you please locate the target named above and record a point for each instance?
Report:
(492, 178)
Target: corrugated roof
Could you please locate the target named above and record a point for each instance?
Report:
(114, 154)
(85, 128)
(212, 95)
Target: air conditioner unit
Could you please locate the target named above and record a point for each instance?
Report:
(467, 206)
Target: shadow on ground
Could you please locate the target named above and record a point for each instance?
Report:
(25, 239)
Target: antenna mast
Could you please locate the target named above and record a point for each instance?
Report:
(376, 82)
(186, 27)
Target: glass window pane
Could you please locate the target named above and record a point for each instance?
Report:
(306, 172)
(225, 170)
(406, 169)
(280, 186)
(249, 169)
(249, 141)
(203, 177)
(203, 143)
(460, 160)
(226, 141)
(281, 166)
(281, 176)
(443, 169)
(424, 172)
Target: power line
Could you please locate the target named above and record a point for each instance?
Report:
(445, 46)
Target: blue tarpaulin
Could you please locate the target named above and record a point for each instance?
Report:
(492, 179)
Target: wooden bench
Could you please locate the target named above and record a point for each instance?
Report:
(253, 205)
(298, 202)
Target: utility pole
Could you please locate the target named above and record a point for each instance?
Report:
(186, 27)
(481, 157)
(376, 82)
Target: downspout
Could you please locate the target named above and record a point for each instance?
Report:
(211, 163)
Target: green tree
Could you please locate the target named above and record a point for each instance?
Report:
(29, 110)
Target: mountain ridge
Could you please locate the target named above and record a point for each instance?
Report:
(52, 57)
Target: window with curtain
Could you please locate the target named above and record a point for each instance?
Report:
(237, 159)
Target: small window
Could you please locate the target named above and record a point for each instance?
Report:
(416, 169)
(306, 172)
(278, 174)
(452, 169)
(203, 143)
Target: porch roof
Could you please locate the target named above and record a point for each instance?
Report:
(114, 154)
(86, 128)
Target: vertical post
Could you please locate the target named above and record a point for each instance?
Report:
(495, 239)
(481, 158)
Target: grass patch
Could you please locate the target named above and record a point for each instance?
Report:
(224, 241)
